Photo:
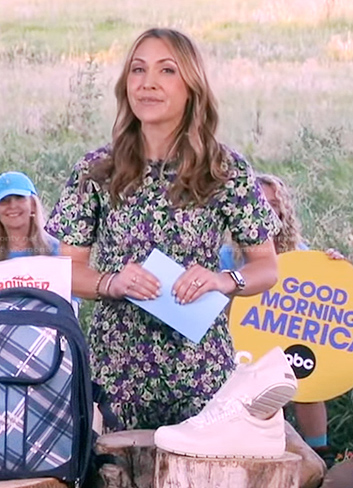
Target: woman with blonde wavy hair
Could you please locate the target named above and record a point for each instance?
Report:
(163, 183)
(22, 219)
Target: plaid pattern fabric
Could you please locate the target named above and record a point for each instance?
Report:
(36, 425)
(27, 352)
(24, 303)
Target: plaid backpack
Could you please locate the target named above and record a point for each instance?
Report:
(45, 388)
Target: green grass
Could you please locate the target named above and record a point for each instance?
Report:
(282, 72)
(39, 43)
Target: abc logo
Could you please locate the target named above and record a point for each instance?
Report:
(302, 360)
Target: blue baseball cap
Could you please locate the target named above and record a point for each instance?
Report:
(15, 183)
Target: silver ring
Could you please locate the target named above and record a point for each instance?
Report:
(196, 283)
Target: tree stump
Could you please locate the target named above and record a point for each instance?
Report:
(134, 453)
(175, 471)
(312, 467)
(33, 483)
(138, 466)
(115, 442)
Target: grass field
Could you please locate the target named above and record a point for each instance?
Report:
(282, 71)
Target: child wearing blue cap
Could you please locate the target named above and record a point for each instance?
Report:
(22, 219)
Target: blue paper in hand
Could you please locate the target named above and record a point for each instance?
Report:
(192, 319)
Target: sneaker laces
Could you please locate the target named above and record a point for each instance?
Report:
(222, 409)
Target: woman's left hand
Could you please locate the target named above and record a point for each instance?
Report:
(197, 280)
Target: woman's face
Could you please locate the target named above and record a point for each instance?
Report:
(156, 91)
(15, 212)
(270, 195)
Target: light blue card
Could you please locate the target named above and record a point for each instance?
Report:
(192, 319)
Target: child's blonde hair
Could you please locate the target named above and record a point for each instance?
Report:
(289, 237)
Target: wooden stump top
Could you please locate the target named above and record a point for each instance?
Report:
(33, 483)
(113, 443)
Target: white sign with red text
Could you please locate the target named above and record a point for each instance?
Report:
(51, 273)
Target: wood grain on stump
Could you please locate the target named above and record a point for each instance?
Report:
(113, 443)
(134, 453)
(175, 471)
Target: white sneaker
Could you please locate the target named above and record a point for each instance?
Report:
(269, 383)
(227, 430)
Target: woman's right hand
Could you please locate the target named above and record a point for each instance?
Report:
(133, 281)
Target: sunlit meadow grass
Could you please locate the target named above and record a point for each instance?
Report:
(282, 72)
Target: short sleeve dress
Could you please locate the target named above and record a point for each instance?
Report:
(154, 375)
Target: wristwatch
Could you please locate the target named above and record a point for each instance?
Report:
(237, 277)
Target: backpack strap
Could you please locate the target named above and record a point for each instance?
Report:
(46, 296)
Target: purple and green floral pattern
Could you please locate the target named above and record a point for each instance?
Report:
(154, 375)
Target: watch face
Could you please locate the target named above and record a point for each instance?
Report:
(238, 278)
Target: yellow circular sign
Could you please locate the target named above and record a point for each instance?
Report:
(309, 314)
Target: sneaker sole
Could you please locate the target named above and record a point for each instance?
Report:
(221, 456)
(271, 400)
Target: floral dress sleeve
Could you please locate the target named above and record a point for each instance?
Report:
(74, 219)
(249, 216)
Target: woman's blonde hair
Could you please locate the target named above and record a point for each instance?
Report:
(289, 236)
(39, 242)
(195, 146)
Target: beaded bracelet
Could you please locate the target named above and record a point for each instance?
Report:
(98, 282)
(108, 283)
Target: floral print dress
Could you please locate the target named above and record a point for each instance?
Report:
(154, 375)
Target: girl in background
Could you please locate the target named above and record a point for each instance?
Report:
(22, 219)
